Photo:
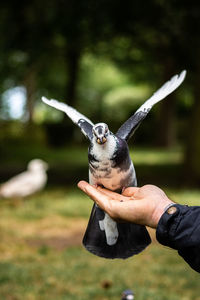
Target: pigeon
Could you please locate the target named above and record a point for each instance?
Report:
(127, 295)
(110, 166)
(26, 183)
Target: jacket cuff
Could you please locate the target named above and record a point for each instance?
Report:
(179, 228)
(168, 224)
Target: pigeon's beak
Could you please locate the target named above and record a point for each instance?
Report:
(102, 140)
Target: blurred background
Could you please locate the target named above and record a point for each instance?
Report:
(105, 58)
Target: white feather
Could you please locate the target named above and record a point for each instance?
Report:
(111, 231)
(163, 92)
(72, 113)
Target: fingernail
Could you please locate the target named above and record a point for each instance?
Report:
(80, 185)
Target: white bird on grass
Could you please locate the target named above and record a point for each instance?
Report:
(26, 183)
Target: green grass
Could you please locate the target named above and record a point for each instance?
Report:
(41, 256)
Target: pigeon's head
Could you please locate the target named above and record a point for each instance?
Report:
(100, 132)
(37, 165)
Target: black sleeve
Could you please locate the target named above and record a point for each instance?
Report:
(180, 229)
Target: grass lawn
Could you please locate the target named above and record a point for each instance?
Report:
(41, 256)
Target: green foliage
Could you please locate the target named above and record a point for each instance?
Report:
(98, 76)
(99, 73)
(123, 101)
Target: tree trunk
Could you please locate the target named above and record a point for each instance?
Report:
(166, 123)
(192, 155)
(72, 62)
(73, 59)
(30, 86)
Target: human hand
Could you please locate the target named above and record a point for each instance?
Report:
(143, 206)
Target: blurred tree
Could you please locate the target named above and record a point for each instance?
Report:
(26, 39)
(191, 51)
(166, 37)
(192, 153)
(153, 37)
(43, 44)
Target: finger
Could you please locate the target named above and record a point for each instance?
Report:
(130, 191)
(82, 184)
(96, 195)
(112, 195)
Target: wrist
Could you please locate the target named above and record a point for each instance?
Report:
(160, 210)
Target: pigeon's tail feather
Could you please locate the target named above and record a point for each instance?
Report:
(132, 238)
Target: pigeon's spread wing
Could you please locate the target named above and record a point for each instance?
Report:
(129, 127)
(84, 123)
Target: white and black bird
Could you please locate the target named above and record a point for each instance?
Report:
(110, 166)
(26, 183)
(127, 295)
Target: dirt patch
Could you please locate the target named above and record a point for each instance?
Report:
(57, 242)
(70, 239)
(152, 234)
(59, 234)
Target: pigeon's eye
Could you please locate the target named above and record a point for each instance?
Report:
(106, 130)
